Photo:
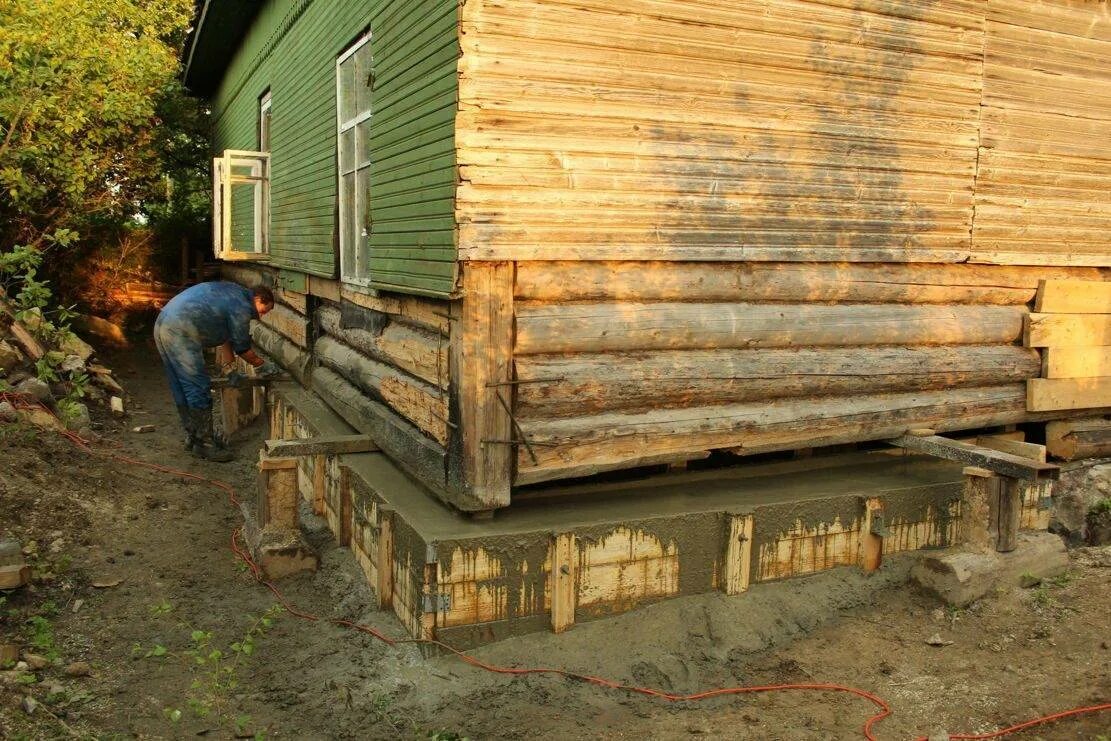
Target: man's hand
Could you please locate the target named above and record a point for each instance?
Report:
(267, 370)
(235, 379)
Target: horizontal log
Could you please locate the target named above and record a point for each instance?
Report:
(324, 445)
(417, 401)
(600, 327)
(1047, 395)
(1076, 362)
(1080, 438)
(283, 352)
(608, 441)
(286, 321)
(421, 352)
(1074, 297)
(804, 282)
(1067, 330)
(406, 446)
(1005, 464)
(566, 385)
(424, 312)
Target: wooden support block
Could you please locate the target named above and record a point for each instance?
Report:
(384, 587)
(1079, 438)
(1033, 451)
(1048, 395)
(871, 541)
(324, 445)
(278, 495)
(1067, 330)
(319, 483)
(1073, 297)
(564, 578)
(738, 554)
(1002, 463)
(1076, 362)
(1008, 515)
(33, 347)
(978, 500)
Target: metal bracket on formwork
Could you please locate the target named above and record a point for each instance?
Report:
(436, 602)
(878, 525)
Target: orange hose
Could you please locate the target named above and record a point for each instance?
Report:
(884, 709)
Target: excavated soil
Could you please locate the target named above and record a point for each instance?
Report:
(137, 579)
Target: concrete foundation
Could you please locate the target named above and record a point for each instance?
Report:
(963, 577)
(565, 555)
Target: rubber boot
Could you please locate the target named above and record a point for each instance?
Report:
(205, 445)
(187, 425)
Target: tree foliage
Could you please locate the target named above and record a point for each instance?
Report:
(82, 86)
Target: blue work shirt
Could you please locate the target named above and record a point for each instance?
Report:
(212, 314)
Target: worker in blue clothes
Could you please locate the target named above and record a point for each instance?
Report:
(201, 316)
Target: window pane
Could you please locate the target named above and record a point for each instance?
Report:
(244, 225)
(364, 224)
(362, 78)
(363, 144)
(347, 224)
(347, 151)
(347, 89)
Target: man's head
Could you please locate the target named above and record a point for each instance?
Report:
(263, 299)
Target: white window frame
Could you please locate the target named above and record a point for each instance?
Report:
(360, 262)
(263, 109)
(222, 182)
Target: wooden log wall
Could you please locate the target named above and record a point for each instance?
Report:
(622, 364)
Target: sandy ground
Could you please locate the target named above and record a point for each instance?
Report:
(141, 584)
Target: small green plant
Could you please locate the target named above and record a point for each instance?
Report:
(214, 669)
(40, 636)
(1103, 505)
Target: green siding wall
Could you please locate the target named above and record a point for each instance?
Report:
(291, 50)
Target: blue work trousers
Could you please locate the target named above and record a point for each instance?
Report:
(183, 360)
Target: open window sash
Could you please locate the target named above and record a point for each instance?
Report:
(241, 205)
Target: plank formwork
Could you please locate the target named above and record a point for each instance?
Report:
(587, 552)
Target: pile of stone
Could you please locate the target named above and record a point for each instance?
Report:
(50, 383)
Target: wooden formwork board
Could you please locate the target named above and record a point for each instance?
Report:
(550, 565)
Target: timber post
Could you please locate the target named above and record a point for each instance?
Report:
(274, 532)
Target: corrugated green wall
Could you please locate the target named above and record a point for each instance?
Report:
(291, 49)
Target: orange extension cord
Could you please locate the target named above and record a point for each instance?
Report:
(884, 709)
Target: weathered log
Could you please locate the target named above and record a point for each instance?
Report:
(566, 385)
(287, 322)
(286, 354)
(599, 327)
(1080, 438)
(818, 282)
(418, 351)
(597, 442)
(423, 404)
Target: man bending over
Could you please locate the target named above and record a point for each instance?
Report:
(207, 315)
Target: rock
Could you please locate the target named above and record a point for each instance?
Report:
(73, 364)
(57, 545)
(29, 704)
(74, 345)
(8, 412)
(36, 662)
(1028, 581)
(10, 677)
(77, 417)
(960, 578)
(937, 640)
(40, 417)
(9, 357)
(17, 376)
(79, 669)
(22, 666)
(36, 389)
(1075, 495)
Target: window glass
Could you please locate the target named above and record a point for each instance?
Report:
(354, 80)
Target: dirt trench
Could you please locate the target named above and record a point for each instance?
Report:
(141, 585)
